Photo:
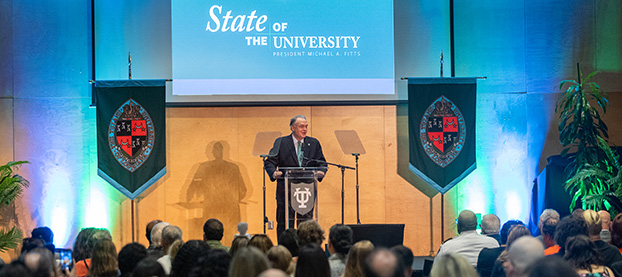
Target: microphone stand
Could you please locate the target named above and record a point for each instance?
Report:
(343, 169)
(263, 174)
(356, 156)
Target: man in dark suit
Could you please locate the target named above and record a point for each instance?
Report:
(295, 150)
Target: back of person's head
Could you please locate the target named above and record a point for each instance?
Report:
(187, 256)
(82, 247)
(383, 263)
(44, 233)
(15, 268)
(312, 261)
(452, 265)
(30, 244)
(170, 234)
(289, 239)
(551, 266)
(505, 229)
(280, 258)
(273, 272)
(605, 218)
(549, 227)
(578, 213)
(467, 221)
(547, 214)
(490, 224)
(213, 229)
(214, 264)
(156, 234)
(616, 231)
(149, 228)
(248, 262)
(581, 252)
(407, 257)
(567, 227)
(148, 267)
(310, 232)
(242, 228)
(522, 253)
(593, 222)
(238, 242)
(516, 232)
(104, 260)
(129, 256)
(340, 237)
(356, 258)
(262, 242)
(40, 261)
(175, 246)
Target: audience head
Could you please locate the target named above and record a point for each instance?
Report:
(238, 242)
(40, 262)
(156, 234)
(150, 228)
(593, 222)
(310, 232)
(213, 229)
(567, 227)
(490, 224)
(521, 254)
(339, 239)
(186, 257)
(407, 257)
(214, 264)
(15, 268)
(505, 230)
(550, 266)
(242, 228)
(82, 247)
(248, 262)
(548, 231)
(616, 231)
(356, 258)
(280, 258)
(31, 243)
(129, 256)
(516, 232)
(581, 253)
(104, 260)
(578, 212)
(273, 272)
(546, 215)
(262, 242)
(44, 233)
(170, 234)
(605, 218)
(383, 263)
(467, 221)
(452, 265)
(148, 267)
(172, 251)
(289, 239)
(312, 261)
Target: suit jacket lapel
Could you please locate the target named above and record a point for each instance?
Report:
(292, 148)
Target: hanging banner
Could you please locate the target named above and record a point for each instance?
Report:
(131, 133)
(441, 128)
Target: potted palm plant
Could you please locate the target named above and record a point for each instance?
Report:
(11, 186)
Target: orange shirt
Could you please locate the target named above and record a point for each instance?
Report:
(82, 267)
(552, 250)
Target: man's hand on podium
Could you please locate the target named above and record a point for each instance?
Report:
(320, 174)
(277, 174)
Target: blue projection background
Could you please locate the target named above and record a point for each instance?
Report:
(276, 47)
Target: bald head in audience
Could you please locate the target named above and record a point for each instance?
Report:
(383, 263)
(522, 253)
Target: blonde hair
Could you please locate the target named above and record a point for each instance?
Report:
(452, 265)
(281, 258)
(356, 258)
(593, 222)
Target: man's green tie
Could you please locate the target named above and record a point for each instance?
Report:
(299, 153)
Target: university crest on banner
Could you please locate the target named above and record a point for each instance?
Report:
(131, 148)
(441, 119)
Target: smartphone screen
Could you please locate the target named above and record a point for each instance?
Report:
(65, 260)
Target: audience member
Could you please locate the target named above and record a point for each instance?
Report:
(248, 262)
(616, 232)
(569, 226)
(407, 257)
(581, 253)
(238, 243)
(289, 239)
(187, 256)
(356, 258)
(104, 261)
(548, 236)
(148, 267)
(468, 243)
(312, 261)
(521, 254)
(156, 239)
(262, 242)
(491, 226)
(212, 234)
(170, 234)
(310, 232)
(148, 230)
(15, 268)
(280, 258)
(605, 233)
(339, 243)
(551, 266)
(488, 256)
(41, 262)
(273, 272)
(129, 256)
(452, 265)
(546, 215)
(83, 249)
(44, 233)
(609, 253)
(242, 230)
(214, 264)
(30, 244)
(516, 232)
(174, 249)
(383, 263)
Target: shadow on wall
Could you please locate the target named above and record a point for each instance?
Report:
(215, 189)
